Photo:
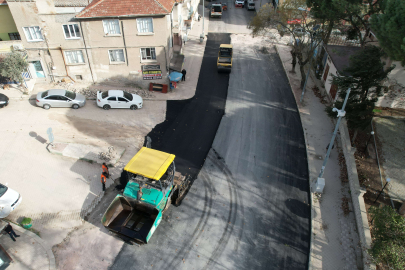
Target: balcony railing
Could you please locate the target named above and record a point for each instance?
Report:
(72, 3)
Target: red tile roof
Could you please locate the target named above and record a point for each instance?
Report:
(114, 8)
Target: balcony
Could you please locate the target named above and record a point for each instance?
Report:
(72, 3)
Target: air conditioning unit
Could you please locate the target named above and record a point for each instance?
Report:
(18, 47)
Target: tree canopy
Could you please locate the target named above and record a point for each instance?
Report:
(389, 27)
(12, 67)
(388, 233)
(292, 18)
(364, 74)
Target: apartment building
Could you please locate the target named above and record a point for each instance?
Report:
(98, 40)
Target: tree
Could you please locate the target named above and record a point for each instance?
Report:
(389, 28)
(301, 30)
(12, 67)
(388, 238)
(363, 75)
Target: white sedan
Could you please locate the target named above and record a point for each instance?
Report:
(118, 99)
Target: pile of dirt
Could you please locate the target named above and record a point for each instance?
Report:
(91, 91)
(345, 205)
(343, 169)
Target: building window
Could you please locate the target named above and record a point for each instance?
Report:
(116, 56)
(148, 54)
(14, 36)
(111, 27)
(71, 31)
(33, 33)
(74, 57)
(145, 25)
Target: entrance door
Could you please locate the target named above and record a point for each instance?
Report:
(333, 91)
(325, 75)
(39, 71)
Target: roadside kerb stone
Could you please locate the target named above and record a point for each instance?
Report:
(310, 184)
(357, 193)
(87, 153)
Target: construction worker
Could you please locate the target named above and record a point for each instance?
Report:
(105, 169)
(103, 179)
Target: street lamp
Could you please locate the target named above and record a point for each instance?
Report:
(371, 135)
(203, 17)
(388, 180)
(320, 182)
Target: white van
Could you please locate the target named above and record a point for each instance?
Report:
(250, 5)
(9, 200)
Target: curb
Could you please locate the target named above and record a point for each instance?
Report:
(49, 253)
(311, 239)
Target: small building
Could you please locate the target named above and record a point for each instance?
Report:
(335, 60)
(99, 40)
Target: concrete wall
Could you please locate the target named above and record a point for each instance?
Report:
(357, 194)
(93, 43)
(7, 24)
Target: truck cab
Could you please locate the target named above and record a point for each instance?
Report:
(224, 62)
(152, 184)
(216, 10)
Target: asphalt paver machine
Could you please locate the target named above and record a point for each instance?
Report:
(153, 184)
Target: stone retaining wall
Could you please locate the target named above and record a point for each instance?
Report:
(357, 194)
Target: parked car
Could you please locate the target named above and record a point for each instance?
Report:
(60, 98)
(3, 100)
(118, 99)
(9, 200)
(250, 5)
(239, 3)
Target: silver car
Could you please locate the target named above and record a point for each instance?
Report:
(60, 98)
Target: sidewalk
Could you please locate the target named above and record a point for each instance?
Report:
(334, 241)
(28, 252)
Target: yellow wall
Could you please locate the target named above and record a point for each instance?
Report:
(7, 24)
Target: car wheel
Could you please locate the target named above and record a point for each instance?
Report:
(134, 107)
(106, 107)
(47, 106)
(75, 106)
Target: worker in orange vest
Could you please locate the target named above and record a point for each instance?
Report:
(105, 169)
(103, 179)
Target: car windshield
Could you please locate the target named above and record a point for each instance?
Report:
(104, 94)
(128, 96)
(3, 189)
(44, 94)
(70, 94)
(216, 8)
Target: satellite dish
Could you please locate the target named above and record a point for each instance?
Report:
(5, 210)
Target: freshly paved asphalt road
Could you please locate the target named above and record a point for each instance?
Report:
(248, 208)
(262, 143)
(191, 125)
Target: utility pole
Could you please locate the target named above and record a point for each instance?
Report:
(202, 36)
(320, 183)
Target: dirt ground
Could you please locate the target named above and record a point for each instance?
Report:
(367, 167)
